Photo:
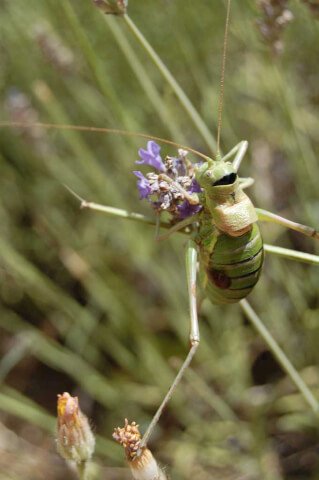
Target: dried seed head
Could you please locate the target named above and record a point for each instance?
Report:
(276, 16)
(130, 438)
(20, 110)
(113, 7)
(75, 440)
(52, 48)
(140, 459)
(313, 5)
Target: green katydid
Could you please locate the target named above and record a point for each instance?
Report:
(234, 186)
(225, 235)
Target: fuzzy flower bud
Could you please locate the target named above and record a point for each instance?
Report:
(140, 459)
(75, 440)
(115, 7)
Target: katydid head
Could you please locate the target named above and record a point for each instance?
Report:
(216, 177)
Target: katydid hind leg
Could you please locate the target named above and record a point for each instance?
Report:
(191, 272)
(290, 254)
(265, 216)
(239, 151)
(246, 182)
(240, 154)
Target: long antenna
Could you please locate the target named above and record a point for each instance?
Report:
(115, 131)
(222, 80)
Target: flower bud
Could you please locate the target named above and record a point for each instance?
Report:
(115, 7)
(140, 459)
(75, 440)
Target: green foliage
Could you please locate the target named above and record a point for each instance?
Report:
(93, 305)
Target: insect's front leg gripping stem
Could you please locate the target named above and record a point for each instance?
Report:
(178, 227)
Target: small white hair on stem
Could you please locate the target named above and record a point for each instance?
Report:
(140, 459)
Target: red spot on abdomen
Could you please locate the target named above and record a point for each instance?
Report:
(219, 278)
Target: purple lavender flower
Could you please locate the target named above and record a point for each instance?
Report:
(164, 194)
(151, 156)
(143, 185)
(195, 187)
(175, 167)
(185, 209)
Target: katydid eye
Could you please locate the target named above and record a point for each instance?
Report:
(226, 180)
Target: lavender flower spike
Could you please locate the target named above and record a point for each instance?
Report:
(151, 156)
(187, 210)
(195, 187)
(143, 185)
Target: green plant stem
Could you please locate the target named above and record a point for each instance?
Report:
(182, 97)
(280, 356)
(143, 77)
(97, 68)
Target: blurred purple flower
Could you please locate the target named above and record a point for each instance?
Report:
(143, 185)
(185, 209)
(178, 167)
(163, 194)
(195, 187)
(151, 156)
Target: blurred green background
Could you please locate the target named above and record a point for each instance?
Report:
(93, 305)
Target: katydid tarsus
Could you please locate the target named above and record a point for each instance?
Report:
(221, 189)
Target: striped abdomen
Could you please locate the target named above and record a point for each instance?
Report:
(234, 266)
